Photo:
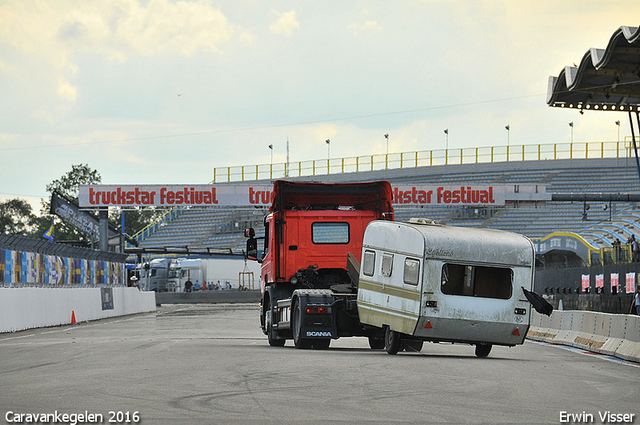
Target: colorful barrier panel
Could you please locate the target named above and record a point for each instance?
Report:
(33, 268)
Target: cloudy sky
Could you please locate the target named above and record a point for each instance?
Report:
(163, 91)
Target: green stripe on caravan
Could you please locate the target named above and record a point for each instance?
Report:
(395, 291)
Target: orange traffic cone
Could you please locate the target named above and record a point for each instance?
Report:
(73, 317)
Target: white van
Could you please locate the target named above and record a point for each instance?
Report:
(422, 281)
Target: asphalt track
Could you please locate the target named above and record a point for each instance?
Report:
(210, 364)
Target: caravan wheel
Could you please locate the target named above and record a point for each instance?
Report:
(392, 341)
(483, 350)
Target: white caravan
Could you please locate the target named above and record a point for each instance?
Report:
(421, 281)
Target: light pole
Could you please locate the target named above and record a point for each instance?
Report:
(328, 142)
(271, 149)
(446, 139)
(618, 124)
(571, 125)
(386, 159)
(508, 128)
(271, 164)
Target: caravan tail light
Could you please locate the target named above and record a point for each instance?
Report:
(516, 332)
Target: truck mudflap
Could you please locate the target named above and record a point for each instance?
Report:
(309, 315)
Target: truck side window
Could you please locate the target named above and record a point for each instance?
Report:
(369, 263)
(387, 264)
(411, 271)
(266, 239)
(477, 281)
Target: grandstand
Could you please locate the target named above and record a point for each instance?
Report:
(596, 228)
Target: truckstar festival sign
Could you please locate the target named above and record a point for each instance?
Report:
(246, 194)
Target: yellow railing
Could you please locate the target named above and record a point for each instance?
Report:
(575, 150)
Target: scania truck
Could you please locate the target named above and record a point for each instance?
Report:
(308, 279)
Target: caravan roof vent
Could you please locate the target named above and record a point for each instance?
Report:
(420, 220)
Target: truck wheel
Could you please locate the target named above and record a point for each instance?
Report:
(296, 327)
(391, 341)
(483, 350)
(321, 344)
(376, 343)
(270, 336)
(412, 345)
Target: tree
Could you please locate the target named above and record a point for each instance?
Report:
(16, 217)
(68, 185)
(136, 219)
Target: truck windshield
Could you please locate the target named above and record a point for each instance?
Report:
(330, 233)
(477, 281)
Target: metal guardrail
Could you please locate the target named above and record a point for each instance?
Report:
(153, 227)
(412, 159)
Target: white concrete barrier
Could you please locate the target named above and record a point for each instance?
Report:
(612, 334)
(32, 307)
(629, 349)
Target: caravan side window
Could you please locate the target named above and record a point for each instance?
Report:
(411, 271)
(387, 264)
(369, 263)
(477, 281)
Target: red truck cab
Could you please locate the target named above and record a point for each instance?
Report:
(309, 232)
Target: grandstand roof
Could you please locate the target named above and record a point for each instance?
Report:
(606, 79)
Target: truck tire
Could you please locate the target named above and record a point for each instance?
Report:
(270, 335)
(296, 327)
(321, 344)
(483, 350)
(376, 343)
(392, 341)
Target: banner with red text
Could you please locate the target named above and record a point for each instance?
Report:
(247, 194)
(174, 195)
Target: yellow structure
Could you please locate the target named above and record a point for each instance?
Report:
(575, 150)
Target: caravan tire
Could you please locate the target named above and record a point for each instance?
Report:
(483, 350)
(412, 345)
(392, 341)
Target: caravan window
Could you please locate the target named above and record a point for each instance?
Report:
(369, 263)
(330, 233)
(411, 271)
(477, 281)
(387, 264)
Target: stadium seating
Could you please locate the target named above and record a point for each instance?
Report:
(222, 227)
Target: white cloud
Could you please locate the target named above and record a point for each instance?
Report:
(57, 31)
(286, 24)
(367, 26)
(66, 90)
